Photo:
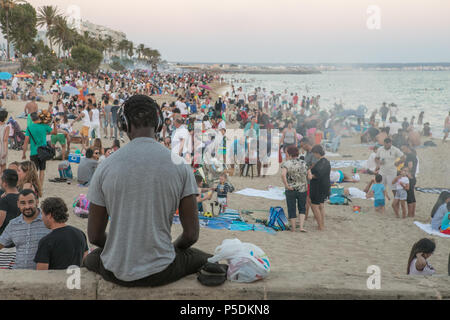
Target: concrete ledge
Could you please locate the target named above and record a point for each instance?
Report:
(33, 285)
(51, 285)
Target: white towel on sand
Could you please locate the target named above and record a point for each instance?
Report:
(427, 228)
(271, 193)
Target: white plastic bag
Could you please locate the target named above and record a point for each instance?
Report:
(247, 262)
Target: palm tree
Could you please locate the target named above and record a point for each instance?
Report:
(61, 33)
(122, 46)
(7, 5)
(140, 50)
(110, 45)
(46, 17)
(130, 49)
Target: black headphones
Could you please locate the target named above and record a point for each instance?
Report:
(122, 121)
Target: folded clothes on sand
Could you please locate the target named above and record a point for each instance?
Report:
(339, 164)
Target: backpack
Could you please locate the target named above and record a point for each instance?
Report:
(278, 220)
(65, 170)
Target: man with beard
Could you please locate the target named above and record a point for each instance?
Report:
(25, 231)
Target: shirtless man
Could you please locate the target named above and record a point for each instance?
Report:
(446, 127)
(414, 138)
(31, 106)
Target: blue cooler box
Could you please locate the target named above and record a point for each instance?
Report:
(74, 158)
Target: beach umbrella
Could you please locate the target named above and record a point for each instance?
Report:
(205, 87)
(5, 75)
(70, 90)
(23, 75)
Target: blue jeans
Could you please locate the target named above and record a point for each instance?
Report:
(295, 198)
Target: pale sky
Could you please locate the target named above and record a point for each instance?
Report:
(278, 31)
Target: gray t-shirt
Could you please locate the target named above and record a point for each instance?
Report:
(86, 170)
(436, 223)
(141, 189)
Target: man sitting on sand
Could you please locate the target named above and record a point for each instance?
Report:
(141, 204)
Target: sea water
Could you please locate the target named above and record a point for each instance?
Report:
(412, 91)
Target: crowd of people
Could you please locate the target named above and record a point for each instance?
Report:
(164, 133)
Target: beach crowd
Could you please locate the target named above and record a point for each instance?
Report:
(35, 233)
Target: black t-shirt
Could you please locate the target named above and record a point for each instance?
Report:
(62, 248)
(411, 157)
(321, 183)
(373, 132)
(9, 205)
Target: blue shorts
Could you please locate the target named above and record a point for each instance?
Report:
(380, 203)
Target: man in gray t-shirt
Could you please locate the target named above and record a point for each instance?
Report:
(140, 188)
(87, 167)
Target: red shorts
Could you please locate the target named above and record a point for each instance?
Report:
(184, 116)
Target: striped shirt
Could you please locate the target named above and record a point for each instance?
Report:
(26, 238)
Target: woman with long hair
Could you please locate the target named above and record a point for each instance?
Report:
(439, 210)
(98, 145)
(440, 201)
(417, 262)
(29, 178)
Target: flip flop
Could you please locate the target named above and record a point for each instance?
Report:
(213, 274)
(303, 231)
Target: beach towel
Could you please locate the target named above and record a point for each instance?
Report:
(432, 190)
(332, 155)
(272, 193)
(339, 164)
(7, 258)
(427, 228)
(228, 221)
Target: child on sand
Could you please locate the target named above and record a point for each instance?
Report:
(401, 185)
(202, 196)
(445, 227)
(420, 253)
(222, 190)
(378, 191)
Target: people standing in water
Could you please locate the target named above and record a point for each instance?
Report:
(446, 127)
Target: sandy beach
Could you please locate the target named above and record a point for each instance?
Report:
(351, 242)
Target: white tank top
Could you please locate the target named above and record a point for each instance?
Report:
(86, 120)
(95, 116)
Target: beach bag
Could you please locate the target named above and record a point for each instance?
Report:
(65, 170)
(81, 206)
(45, 153)
(277, 219)
(246, 262)
(339, 200)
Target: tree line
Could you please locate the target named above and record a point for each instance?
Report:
(19, 21)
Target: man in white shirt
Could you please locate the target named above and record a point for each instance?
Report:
(182, 106)
(387, 163)
(180, 138)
